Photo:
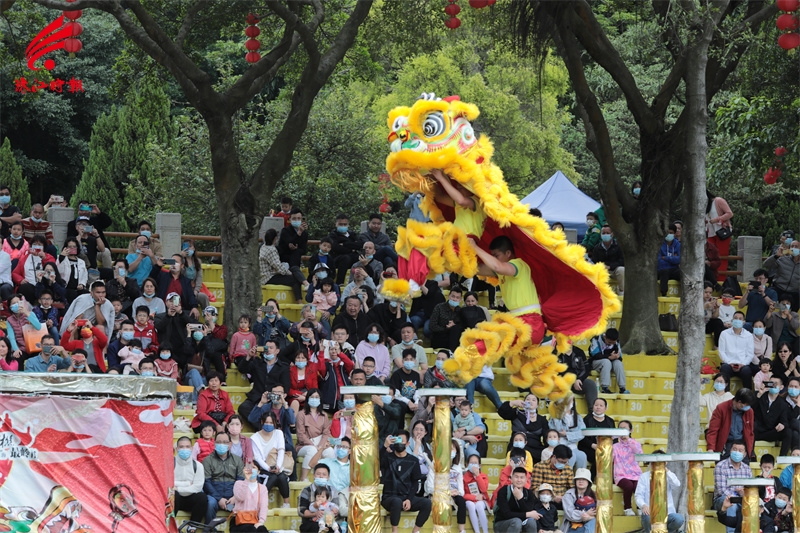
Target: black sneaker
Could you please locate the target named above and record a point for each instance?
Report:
(605, 390)
(623, 390)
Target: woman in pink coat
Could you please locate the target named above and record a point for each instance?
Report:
(250, 495)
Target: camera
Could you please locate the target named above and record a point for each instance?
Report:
(768, 384)
(273, 397)
(169, 262)
(327, 343)
(88, 229)
(736, 499)
(58, 199)
(195, 327)
(755, 284)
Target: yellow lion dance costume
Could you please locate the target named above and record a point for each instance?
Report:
(574, 295)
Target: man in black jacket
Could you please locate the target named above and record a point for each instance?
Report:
(514, 512)
(575, 359)
(171, 329)
(263, 374)
(772, 415)
(608, 252)
(401, 476)
(346, 247)
(353, 319)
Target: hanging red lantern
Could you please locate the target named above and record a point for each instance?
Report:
(788, 5)
(787, 22)
(252, 31)
(252, 45)
(478, 4)
(771, 176)
(789, 41)
(252, 57)
(75, 28)
(73, 46)
(452, 9)
(492, 2)
(453, 23)
(72, 15)
(780, 151)
(251, 19)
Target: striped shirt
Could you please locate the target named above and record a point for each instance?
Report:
(31, 229)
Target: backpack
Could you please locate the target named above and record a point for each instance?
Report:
(508, 499)
(731, 283)
(194, 464)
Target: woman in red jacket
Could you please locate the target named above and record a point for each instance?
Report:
(82, 335)
(303, 375)
(476, 493)
(213, 404)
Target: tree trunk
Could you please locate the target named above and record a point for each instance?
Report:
(239, 225)
(639, 329)
(684, 426)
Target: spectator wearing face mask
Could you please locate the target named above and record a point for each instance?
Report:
(8, 213)
(787, 273)
(93, 216)
(733, 421)
(35, 225)
(171, 282)
(146, 231)
(669, 260)
(556, 472)
(48, 315)
(14, 245)
(736, 348)
(30, 268)
(783, 323)
(51, 282)
(445, 324)
(122, 287)
(593, 229)
(524, 414)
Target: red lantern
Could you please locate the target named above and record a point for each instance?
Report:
(788, 5)
(452, 9)
(72, 46)
(385, 207)
(252, 31)
(780, 151)
(252, 57)
(787, 22)
(478, 4)
(73, 15)
(252, 45)
(75, 27)
(453, 23)
(251, 19)
(788, 41)
(771, 176)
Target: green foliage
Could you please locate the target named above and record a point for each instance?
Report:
(11, 177)
(765, 214)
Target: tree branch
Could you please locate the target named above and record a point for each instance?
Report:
(588, 31)
(187, 23)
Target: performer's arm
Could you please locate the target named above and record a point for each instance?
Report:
(491, 265)
(453, 194)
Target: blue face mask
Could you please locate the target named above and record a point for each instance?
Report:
(165, 356)
(794, 393)
(758, 331)
(34, 219)
(745, 408)
(560, 466)
(322, 274)
(394, 306)
(323, 253)
(121, 272)
(439, 364)
(271, 315)
(780, 504)
(127, 335)
(197, 335)
(606, 237)
(221, 449)
(373, 337)
(268, 428)
(296, 223)
(145, 373)
(305, 339)
(342, 229)
(313, 402)
(301, 364)
(737, 457)
(145, 233)
(552, 443)
(719, 387)
(737, 323)
(386, 399)
(349, 403)
(269, 356)
(637, 191)
(519, 444)
(190, 252)
(320, 481)
(795, 252)
(149, 294)
(341, 453)
(452, 303)
(670, 237)
(185, 453)
(5, 200)
(409, 365)
(14, 308)
(369, 256)
(774, 390)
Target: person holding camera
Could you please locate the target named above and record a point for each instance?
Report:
(52, 358)
(401, 477)
(141, 260)
(757, 298)
(266, 370)
(772, 415)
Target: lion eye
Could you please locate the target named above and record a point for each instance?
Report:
(434, 125)
(399, 122)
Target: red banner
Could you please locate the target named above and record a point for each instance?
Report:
(79, 465)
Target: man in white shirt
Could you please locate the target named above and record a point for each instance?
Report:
(736, 351)
(6, 283)
(642, 495)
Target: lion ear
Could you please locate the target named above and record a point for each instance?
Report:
(463, 109)
(400, 111)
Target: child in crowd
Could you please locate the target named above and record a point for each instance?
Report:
(323, 258)
(166, 366)
(518, 441)
(463, 421)
(325, 299)
(763, 375)
(119, 316)
(130, 355)
(767, 465)
(205, 444)
(476, 494)
(327, 522)
(726, 310)
(552, 442)
(546, 508)
(144, 330)
(48, 315)
(242, 340)
(340, 335)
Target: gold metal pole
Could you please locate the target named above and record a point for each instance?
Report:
(364, 515)
(604, 484)
(658, 497)
(695, 505)
(796, 497)
(750, 512)
(442, 438)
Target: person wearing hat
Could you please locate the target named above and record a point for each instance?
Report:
(785, 242)
(99, 221)
(642, 496)
(515, 506)
(546, 508)
(786, 265)
(580, 504)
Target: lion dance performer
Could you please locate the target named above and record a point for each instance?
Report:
(545, 281)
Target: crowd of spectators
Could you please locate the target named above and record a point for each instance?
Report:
(145, 314)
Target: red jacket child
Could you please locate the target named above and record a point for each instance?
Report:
(98, 340)
(147, 334)
(482, 482)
